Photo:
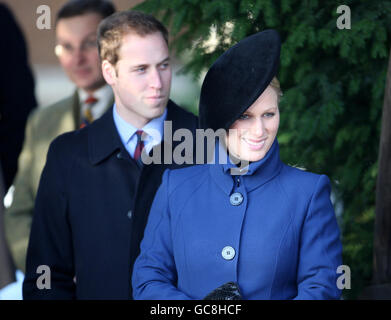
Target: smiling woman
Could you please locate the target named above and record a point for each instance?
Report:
(267, 232)
(252, 135)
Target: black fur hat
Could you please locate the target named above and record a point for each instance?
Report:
(237, 78)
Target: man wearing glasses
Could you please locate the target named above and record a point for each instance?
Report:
(76, 29)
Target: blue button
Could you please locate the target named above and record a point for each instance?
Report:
(236, 198)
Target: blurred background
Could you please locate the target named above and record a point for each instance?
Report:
(51, 82)
(334, 83)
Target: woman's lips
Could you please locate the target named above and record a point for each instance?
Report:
(254, 144)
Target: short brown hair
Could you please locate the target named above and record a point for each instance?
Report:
(74, 8)
(112, 29)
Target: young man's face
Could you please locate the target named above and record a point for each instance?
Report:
(77, 50)
(141, 79)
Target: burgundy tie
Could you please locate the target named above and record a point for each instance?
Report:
(87, 115)
(139, 146)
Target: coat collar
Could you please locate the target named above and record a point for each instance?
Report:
(103, 137)
(175, 116)
(258, 172)
(76, 109)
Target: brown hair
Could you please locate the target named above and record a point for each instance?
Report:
(112, 29)
(75, 8)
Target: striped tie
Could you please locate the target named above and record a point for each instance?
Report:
(87, 114)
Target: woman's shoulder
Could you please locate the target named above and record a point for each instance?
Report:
(301, 178)
(302, 186)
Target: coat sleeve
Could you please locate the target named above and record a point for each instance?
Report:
(50, 242)
(154, 273)
(320, 248)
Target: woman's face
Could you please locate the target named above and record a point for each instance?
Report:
(251, 136)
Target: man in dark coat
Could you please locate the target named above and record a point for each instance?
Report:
(96, 189)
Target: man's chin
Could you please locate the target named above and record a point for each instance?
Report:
(159, 110)
(158, 106)
(89, 85)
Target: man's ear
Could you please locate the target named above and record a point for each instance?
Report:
(109, 72)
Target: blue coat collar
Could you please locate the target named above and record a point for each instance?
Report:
(258, 172)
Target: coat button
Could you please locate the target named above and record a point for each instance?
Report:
(130, 214)
(228, 253)
(236, 198)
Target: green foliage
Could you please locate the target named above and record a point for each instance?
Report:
(333, 82)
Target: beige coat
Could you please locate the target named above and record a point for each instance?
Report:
(42, 127)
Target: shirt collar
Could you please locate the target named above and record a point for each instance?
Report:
(103, 94)
(127, 130)
(104, 139)
(155, 126)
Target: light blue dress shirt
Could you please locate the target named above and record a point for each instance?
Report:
(127, 132)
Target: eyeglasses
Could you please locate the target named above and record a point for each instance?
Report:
(68, 50)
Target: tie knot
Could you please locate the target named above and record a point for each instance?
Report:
(139, 146)
(139, 133)
(90, 100)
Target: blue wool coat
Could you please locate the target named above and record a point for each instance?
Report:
(284, 234)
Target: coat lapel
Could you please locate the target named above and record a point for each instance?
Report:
(103, 138)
